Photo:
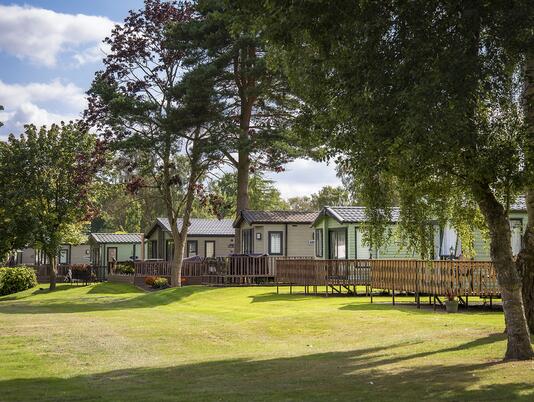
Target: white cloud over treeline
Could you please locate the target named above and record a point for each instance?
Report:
(34, 102)
(41, 35)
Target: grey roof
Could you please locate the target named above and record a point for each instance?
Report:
(276, 217)
(117, 237)
(354, 214)
(519, 205)
(202, 227)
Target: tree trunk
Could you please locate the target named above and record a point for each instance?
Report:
(519, 346)
(178, 256)
(525, 259)
(525, 263)
(180, 237)
(243, 174)
(243, 165)
(53, 271)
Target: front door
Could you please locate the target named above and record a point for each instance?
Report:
(112, 254)
(338, 244)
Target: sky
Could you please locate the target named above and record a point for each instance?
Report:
(49, 52)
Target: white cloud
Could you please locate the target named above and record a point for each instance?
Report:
(28, 104)
(41, 35)
(304, 177)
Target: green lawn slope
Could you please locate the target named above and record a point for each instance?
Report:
(114, 342)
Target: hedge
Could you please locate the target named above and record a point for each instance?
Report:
(16, 279)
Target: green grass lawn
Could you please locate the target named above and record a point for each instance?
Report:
(113, 342)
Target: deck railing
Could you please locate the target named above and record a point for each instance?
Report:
(240, 269)
(456, 277)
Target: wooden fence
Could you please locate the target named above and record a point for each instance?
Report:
(234, 270)
(324, 272)
(456, 278)
(80, 272)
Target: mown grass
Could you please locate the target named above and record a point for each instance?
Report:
(114, 342)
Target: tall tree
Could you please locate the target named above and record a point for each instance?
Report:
(420, 100)
(51, 173)
(152, 108)
(223, 45)
(526, 256)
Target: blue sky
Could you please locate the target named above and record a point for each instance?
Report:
(49, 52)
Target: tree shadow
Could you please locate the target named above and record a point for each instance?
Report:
(89, 303)
(351, 375)
(107, 288)
(274, 297)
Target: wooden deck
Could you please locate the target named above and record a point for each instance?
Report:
(437, 278)
(223, 271)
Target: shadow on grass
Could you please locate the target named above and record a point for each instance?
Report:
(352, 375)
(108, 288)
(273, 297)
(99, 302)
(43, 289)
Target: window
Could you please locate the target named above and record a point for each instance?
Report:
(338, 244)
(192, 248)
(275, 243)
(169, 250)
(209, 249)
(152, 249)
(64, 256)
(516, 225)
(248, 241)
(318, 242)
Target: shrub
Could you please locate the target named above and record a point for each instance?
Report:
(16, 279)
(149, 280)
(160, 283)
(125, 269)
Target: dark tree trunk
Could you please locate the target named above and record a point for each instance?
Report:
(243, 175)
(53, 271)
(525, 260)
(525, 264)
(243, 166)
(177, 259)
(519, 346)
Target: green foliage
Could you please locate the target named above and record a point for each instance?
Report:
(327, 196)
(46, 178)
(262, 192)
(160, 283)
(16, 279)
(125, 269)
(417, 101)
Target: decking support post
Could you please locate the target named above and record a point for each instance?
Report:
(417, 296)
(371, 293)
(393, 293)
(434, 302)
(491, 302)
(277, 290)
(290, 289)
(466, 301)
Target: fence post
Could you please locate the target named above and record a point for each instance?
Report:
(417, 266)
(393, 284)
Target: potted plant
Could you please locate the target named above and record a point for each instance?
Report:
(451, 304)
